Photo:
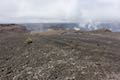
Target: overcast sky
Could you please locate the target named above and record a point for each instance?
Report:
(60, 9)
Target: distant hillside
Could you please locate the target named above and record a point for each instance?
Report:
(40, 27)
(12, 28)
(45, 26)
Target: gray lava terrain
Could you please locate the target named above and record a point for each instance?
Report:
(66, 55)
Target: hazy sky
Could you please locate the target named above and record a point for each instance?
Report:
(60, 9)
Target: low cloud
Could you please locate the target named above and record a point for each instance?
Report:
(60, 9)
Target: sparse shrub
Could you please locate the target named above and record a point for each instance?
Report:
(98, 44)
(103, 30)
(29, 41)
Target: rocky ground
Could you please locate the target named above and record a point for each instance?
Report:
(60, 55)
(11, 28)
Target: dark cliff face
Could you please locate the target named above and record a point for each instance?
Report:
(4, 25)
